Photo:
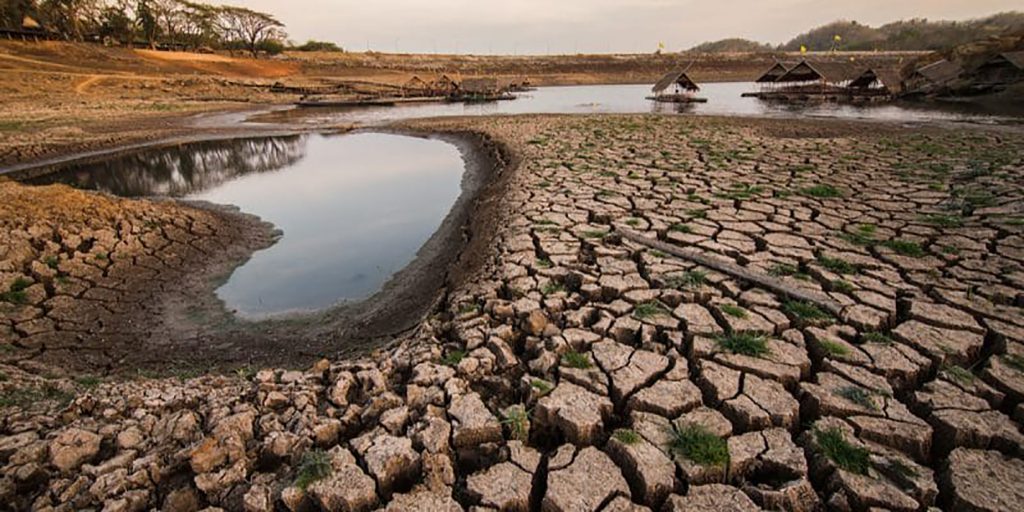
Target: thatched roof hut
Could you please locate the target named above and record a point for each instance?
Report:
(932, 78)
(877, 80)
(774, 72)
(890, 79)
(415, 85)
(830, 73)
(480, 86)
(1003, 69)
(445, 85)
(938, 73)
(679, 78)
(1015, 58)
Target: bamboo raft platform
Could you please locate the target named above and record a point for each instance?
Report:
(677, 98)
(684, 89)
(394, 101)
(824, 97)
(368, 102)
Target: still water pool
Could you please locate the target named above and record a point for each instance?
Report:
(353, 209)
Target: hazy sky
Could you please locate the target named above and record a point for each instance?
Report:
(591, 26)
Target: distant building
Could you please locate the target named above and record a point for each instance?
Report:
(416, 86)
(881, 80)
(823, 74)
(767, 80)
(828, 81)
(480, 87)
(1001, 70)
(679, 79)
(676, 87)
(445, 85)
(933, 77)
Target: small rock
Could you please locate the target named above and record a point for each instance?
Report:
(73, 447)
(711, 498)
(347, 488)
(588, 482)
(983, 481)
(473, 423)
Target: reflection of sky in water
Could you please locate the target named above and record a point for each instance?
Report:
(354, 211)
(723, 99)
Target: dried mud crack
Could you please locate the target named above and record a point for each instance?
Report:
(569, 367)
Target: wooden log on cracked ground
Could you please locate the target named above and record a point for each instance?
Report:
(727, 267)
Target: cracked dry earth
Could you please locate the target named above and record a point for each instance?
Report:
(584, 371)
(87, 279)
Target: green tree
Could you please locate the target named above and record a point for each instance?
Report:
(248, 27)
(12, 12)
(145, 19)
(116, 23)
(70, 17)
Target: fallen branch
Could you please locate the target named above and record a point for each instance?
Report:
(727, 267)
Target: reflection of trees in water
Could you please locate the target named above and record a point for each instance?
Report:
(182, 170)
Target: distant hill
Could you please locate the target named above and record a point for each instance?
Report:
(732, 45)
(906, 35)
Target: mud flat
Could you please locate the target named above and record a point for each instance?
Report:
(572, 367)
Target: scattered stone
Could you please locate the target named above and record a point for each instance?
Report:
(711, 498)
(473, 423)
(390, 460)
(73, 447)
(590, 481)
(576, 412)
(983, 481)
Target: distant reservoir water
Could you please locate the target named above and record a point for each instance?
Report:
(724, 99)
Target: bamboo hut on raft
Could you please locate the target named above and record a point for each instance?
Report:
(999, 72)
(827, 81)
(676, 87)
(416, 86)
(481, 89)
(768, 80)
(932, 78)
(445, 85)
(872, 82)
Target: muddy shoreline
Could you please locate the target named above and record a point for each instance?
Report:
(196, 333)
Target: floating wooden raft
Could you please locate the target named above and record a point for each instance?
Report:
(367, 102)
(390, 101)
(473, 98)
(677, 98)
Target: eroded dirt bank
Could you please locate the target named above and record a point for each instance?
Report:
(578, 370)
